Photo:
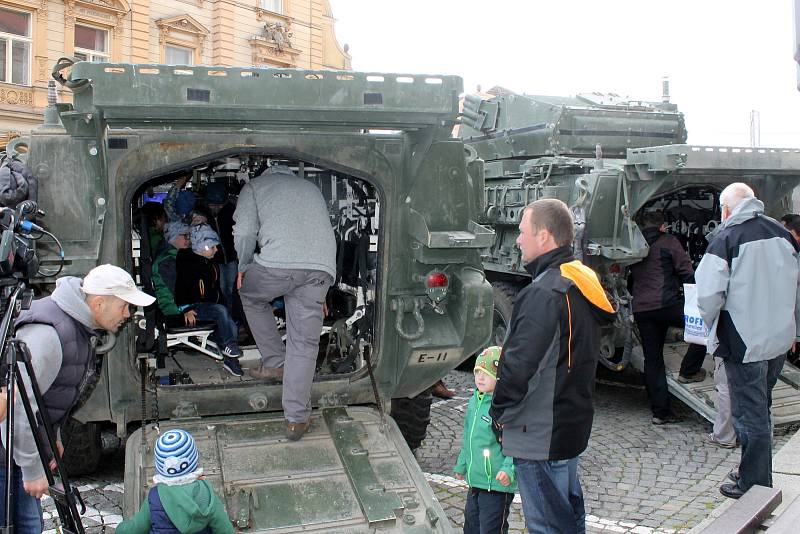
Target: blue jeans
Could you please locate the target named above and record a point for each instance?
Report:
(486, 512)
(227, 281)
(27, 510)
(750, 386)
(552, 499)
(226, 330)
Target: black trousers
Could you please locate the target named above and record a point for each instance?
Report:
(653, 327)
(486, 512)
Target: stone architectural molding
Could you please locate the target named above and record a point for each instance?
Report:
(182, 30)
(273, 46)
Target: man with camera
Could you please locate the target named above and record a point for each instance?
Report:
(60, 332)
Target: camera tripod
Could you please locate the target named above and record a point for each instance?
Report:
(15, 355)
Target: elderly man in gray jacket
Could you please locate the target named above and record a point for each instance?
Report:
(287, 218)
(754, 319)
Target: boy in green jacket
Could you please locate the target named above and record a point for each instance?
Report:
(181, 501)
(490, 475)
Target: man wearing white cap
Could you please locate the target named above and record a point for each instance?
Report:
(60, 332)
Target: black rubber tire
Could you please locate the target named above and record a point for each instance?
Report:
(82, 447)
(505, 295)
(413, 417)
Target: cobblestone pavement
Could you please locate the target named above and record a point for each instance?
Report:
(636, 477)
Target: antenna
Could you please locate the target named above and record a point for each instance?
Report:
(665, 89)
(755, 128)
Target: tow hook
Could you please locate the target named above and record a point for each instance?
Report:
(402, 305)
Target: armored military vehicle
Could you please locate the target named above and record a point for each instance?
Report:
(611, 160)
(411, 299)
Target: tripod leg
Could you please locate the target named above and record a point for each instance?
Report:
(65, 497)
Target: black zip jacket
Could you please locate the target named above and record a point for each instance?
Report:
(657, 279)
(197, 279)
(545, 381)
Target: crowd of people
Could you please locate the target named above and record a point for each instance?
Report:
(531, 415)
(535, 393)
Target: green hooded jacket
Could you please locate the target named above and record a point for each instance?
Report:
(478, 466)
(164, 278)
(191, 508)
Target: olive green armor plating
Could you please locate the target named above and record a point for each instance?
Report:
(376, 142)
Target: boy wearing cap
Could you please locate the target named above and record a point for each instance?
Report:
(182, 500)
(490, 475)
(60, 332)
(187, 288)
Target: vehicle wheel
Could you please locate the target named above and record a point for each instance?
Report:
(505, 295)
(82, 447)
(412, 417)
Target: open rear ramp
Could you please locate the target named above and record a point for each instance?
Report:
(349, 474)
(701, 396)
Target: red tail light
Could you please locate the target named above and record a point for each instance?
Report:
(436, 280)
(436, 286)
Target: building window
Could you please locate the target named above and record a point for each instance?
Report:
(15, 47)
(91, 44)
(276, 6)
(178, 55)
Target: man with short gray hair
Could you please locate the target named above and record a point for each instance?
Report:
(542, 405)
(754, 319)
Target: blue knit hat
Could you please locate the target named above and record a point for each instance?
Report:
(175, 454)
(203, 238)
(185, 202)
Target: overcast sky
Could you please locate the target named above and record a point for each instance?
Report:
(723, 58)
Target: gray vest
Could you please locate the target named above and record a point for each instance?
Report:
(77, 373)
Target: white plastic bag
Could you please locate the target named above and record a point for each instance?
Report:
(694, 328)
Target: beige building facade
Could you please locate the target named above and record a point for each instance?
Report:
(265, 33)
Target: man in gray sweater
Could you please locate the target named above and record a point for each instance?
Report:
(287, 218)
(60, 332)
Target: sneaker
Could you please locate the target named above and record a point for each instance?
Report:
(699, 376)
(232, 366)
(711, 440)
(668, 419)
(732, 491)
(232, 351)
(266, 373)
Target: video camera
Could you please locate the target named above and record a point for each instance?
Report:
(17, 241)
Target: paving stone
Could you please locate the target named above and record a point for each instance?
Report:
(636, 477)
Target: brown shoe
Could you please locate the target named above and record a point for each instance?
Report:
(266, 373)
(295, 431)
(441, 391)
(699, 376)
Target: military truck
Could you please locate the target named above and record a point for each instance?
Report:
(612, 160)
(411, 299)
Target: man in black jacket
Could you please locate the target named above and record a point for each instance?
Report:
(545, 384)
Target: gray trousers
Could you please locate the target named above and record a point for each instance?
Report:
(303, 292)
(723, 424)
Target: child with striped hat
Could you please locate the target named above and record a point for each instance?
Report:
(182, 501)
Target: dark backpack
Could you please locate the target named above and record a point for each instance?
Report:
(17, 182)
